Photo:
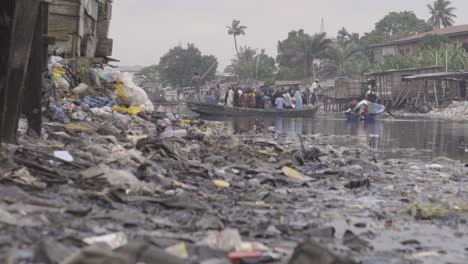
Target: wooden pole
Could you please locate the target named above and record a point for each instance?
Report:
(21, 41)
(435, 95)
(417, 97)
(403, 98)
(399, 95)
(33, 89)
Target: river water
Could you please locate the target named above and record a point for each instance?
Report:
(430, 137)
(433, 138)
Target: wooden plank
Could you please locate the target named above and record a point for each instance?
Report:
(22, 36)
(104, 48)
(64, 10)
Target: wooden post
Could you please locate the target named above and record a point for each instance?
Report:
(37, 65)
(22, 33)
(417, 97)
(425, 92)
(435, 94)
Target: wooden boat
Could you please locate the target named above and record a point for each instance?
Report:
(377, 113)
(221, 110)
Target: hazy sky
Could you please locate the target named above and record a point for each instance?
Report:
(144, 30)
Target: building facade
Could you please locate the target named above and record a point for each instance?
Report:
(457, 35)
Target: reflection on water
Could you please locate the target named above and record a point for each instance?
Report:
(437, 137)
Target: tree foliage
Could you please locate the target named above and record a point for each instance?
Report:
(394, 26)
(345, 59)
(178, 65)
(252, 66)
(297, 53)
(457, 58)
(441, 14)
(236, 30)
(148, 76)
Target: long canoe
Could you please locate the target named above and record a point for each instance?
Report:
(220, 110)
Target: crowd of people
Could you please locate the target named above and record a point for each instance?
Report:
(270, 98)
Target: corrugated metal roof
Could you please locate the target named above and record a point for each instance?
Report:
(447, 31)
(436, 75)
(406, 70)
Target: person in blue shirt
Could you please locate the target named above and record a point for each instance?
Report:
(298, 98)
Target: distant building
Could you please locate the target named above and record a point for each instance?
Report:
(456, 35)
(81, 27)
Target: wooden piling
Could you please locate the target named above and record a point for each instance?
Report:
(22, 34)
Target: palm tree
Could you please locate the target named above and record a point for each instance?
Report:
(307, 49)
(441, 14)
(344, 60)
(236, 30)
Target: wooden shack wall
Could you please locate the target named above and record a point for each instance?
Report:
(81, 27)
(346, 89)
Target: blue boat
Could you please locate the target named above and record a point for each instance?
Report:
(375, 112)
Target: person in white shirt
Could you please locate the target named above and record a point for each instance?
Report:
(287, 100)
(313, 92)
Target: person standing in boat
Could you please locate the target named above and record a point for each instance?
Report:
(236, 98)
(230, 98)
(298, 98)
(313, 92)
(287, 100)
(371, 94)
(259, 100)
(196, 86)
(241, 97)
(251, 99)
(305, 99)
(279, 103)
(267, 100)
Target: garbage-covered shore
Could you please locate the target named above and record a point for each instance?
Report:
(111, 181)
(210, 193)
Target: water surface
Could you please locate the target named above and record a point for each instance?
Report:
(433, 137)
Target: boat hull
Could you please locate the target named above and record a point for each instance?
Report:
(220, 110)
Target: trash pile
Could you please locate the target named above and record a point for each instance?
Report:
(456, 110)
(108, 183)
(83, 87)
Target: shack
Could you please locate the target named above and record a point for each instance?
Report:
(441, 87)
(81, 27)
(337, 97)
(391, 85)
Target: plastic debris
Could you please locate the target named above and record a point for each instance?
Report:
(114, 240)
(179, 250)
(63, 155)
(132, 110)
(292, 173)
(80, 88)
(221, 184)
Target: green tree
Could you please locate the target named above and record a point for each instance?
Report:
(345, 60)
(252, 66)
(301, 50)
(457, 58)
(345, 37)
(236, 30)
(178, 65)
(441, 14)
(148, 76)
(394, 26)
